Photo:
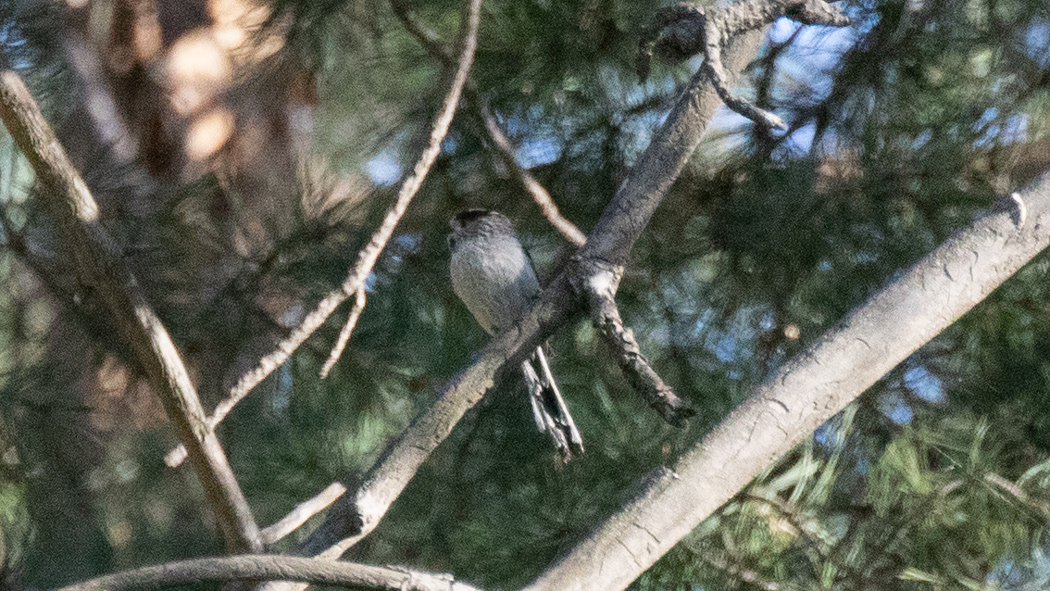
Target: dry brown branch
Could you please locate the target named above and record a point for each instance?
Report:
(274, 568)
(100, 268)
(366, 259)
(504, 148)
(302, 513)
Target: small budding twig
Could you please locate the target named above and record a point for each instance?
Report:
(686, 29)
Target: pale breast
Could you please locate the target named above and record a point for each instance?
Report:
(494, 278)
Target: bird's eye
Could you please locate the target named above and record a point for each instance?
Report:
(451, 241)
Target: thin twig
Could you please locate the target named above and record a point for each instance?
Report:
(431, 41)
(1017, 493)
(98, 264)
(354, 516)
(539, 194)
(302, 513)
(273, 567)
(366, 259)
(344, 335)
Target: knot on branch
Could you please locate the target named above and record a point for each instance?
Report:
(597, 282)
(676, 34)
(681, 31)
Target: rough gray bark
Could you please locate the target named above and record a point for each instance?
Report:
(807, 391)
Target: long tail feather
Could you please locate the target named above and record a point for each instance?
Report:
(549, 408)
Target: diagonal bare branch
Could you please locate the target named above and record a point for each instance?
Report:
(99, 266)
(302, 513)
(344, 334)
(807, 391)
(602, 281)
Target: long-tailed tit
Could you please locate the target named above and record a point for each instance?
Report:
(494, 277)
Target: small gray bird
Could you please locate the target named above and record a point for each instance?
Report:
(494, 277)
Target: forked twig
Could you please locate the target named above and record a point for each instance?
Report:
(686, 29)
(600, 291)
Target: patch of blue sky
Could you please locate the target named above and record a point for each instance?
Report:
(14, 44)
(449, 144)
(1037, 41)
(922, 139)
(818, 48)
(1013, 129)
(538, 151)
(825, 433)
(404, 243)
(896, 408)
(384, 169)
(409, 242)
(725, 348)
(862, 466)
(799, 142)
(924, 384)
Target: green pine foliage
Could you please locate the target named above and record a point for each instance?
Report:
(937, 478)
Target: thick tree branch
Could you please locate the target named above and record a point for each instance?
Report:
(275, 568)
(657, 168)
(366, 259)
(100, 268)
(807, 391)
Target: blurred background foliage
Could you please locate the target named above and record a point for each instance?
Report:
(242, 153)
